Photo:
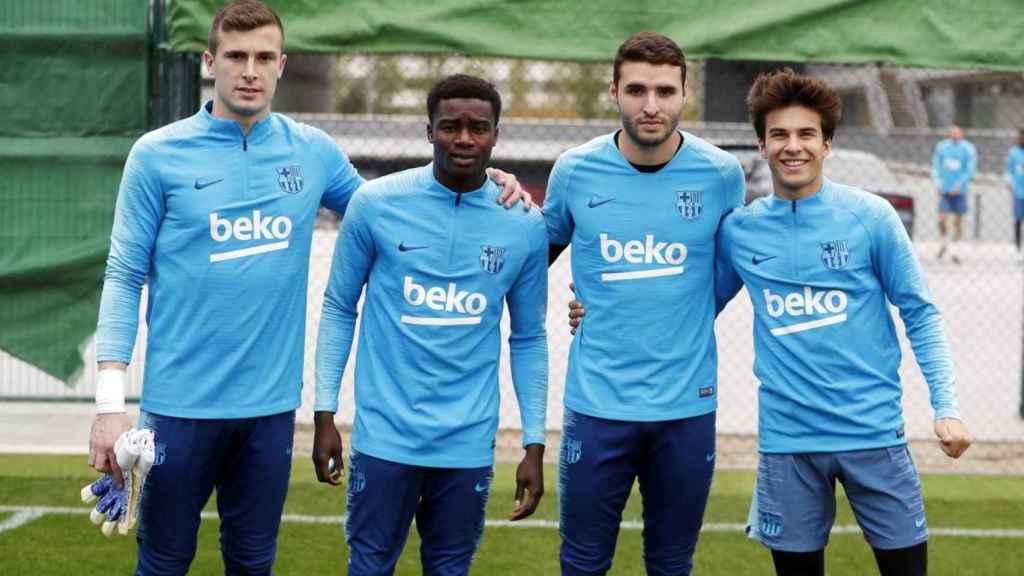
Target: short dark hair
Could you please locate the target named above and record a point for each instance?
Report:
(784, 88)
(649, 47)
(463, 86)
(242, 15)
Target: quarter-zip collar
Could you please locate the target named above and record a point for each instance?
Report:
(819, 198)
(231, 130)
(457, 196)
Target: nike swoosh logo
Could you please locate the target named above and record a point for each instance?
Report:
(480, 487)
(710, 456)
(919, 522)
(403, 248)
(594, 203)
(200, 184)
(755, 260)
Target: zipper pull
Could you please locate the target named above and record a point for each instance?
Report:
(794, 206)
(458, 198)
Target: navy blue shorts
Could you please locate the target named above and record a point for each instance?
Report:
(674, 461)
(449, 505)
(794, 504)
(248, 460)
(1018, 208)
(953, 203)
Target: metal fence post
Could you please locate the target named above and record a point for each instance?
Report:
(977, 216)
(174, 77)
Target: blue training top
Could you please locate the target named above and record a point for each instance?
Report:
(1015, 171)
(821, 273)
(219, 224)
(437, 267)
(953, 164)
(643, 248)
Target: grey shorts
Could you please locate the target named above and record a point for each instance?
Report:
(794, 504)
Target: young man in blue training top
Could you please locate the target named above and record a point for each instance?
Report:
(822, 262)
(953, 166)
(216, 213)
(1015, 179)
(641, 208)
(438, 259)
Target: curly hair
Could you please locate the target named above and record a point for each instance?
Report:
(784, 88)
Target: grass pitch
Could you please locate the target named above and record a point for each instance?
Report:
(977, 524)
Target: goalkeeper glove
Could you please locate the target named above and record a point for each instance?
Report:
(118, 507)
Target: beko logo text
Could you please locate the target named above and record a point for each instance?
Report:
(276, 230)
(806, 303)
(670, 255)
(469, 304)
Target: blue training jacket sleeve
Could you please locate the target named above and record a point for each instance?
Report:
(735, 188)
(343, 180)
(528, 341)
(904, 285)
(727, 280)
(937, 165)
(556, 205)
(353, 256)
(137, 218)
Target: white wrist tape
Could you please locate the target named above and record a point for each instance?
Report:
(110, 390)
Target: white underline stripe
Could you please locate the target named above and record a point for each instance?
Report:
(794, 328)
(616, 276)
(33, 512)
(425, 321)
(251, 251)
(19, 519)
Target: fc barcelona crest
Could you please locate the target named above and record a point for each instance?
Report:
(357, 483)
(835, 254)
(771, 525)
(690, 203)
(289, 178)
(572, 451)
(492, 258)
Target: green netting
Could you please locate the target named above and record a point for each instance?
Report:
(73, 68)
(937, 33)
(53, 244)
(74, 91)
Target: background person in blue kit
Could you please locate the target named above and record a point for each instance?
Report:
(1015, 179)
(216, 213)
(438, 257)
(953, 166)
(641, 208)
(822, 262)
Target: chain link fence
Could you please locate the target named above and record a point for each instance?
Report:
(374, 106)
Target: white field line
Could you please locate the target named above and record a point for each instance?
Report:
(25, 514)
(19, 519)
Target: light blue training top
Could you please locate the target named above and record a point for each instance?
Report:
(954, 164)
(437, 267)
(1015, 171)
(219, 224)
(821, 273)
(643, 249)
